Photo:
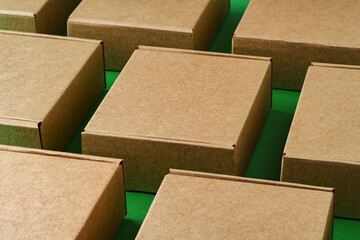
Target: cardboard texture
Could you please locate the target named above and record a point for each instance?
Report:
(48, 85)
(180, 108)
(323, 144)
(53, 195)
(41, 16)
(295, 33)
(191, 205)
(124, 25)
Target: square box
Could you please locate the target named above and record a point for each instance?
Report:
(183, 109)
(54, 195)
(40, 16)
(295, 33)
(47, 86)
(193, 205)
(124, 25)
(323, 144)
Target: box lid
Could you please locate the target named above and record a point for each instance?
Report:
(36, 70)
(332, 22)
(326, 121)
(52, 194)
(192, 205)
(156, 14)
(181, 95)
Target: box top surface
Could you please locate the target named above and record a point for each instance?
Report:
(157, 14)
(332, 22)
(52, 196)
(27, 6)
(201, 207)
(326, 121)
(178, 95)
(36, 70)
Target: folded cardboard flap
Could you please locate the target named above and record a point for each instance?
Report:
(330, 65)
(248, 180)
(50, 153)
(159, 139)
(303, 44)
(203, 53)
(41, 35)
(16, 13)
(90, 22)
(348, 162)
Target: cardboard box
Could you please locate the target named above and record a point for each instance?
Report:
(192, 205)
(41, 16)
(181, 109)
(323, 144)
(124, 25)
(295, 33)
(47, 86)
(53, 195)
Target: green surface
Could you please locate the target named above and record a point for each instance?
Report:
(266, 160)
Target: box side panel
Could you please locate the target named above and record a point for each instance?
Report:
(343, 177)
(147, 162)
(209, 23)
(70, 110)
(17, 22)
(120, 42)
(109, 212)
(52, 17)
(253, 125)
(25, 135)
(291, 60)
(328, 233)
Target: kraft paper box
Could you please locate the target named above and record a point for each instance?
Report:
(41, 16)
(295, 33)
(182, 109)
(47, 86)
(54, 195)
(193, 205)
(124, 25)
(323, 146)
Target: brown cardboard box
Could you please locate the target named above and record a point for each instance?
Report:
(41, 16)
(53, 195)
(192, 205)
(47, 86)
(124, 25)
(296, 33)
(181, 109)
(323, 146)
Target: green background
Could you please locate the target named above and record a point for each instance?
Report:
(266, 160)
